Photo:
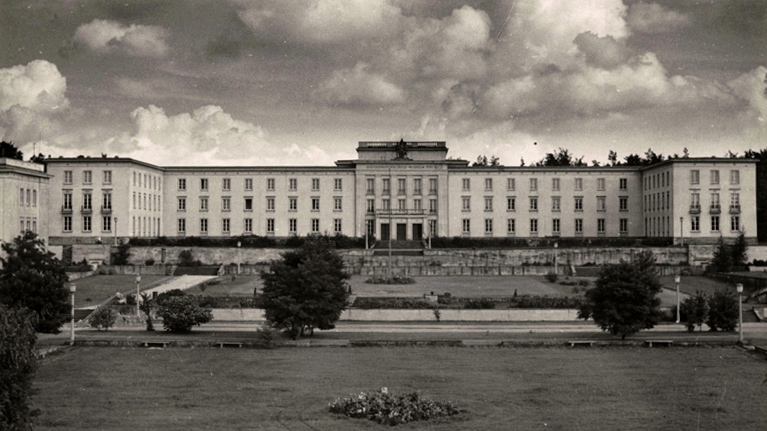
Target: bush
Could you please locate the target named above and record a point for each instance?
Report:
(149, 262)
(479, 304)
(18, 364)
(391, 409)
(161, 298)
(122, 255)
(551, 277)
(180, 313)
(694, 311)
(546, 302)
(103, 318)
(185, 258)
(393, 303)
(397, 279)
(722, 311)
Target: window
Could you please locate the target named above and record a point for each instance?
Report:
(270, 203)
(579, 184)
(87, 201)
(488, 204)
(134, 200)
(293, 225)
(29, 197)
(466, 184)
(735, 177)
(623, 203)
(714, 176)
(466, 226)
(624, 183)
(533, 184)
(400, 186)
(695, 223)
(106, 223)
(293, 184)
(248, 204)
(601, 203)
(401, 205)
(225, 225)
(249, 225)
(386, 186)
(533, 204)
(68, 201)
(337, 225)
(432, 228)
(510, 184)
(511, 225)
(600, 183)
(533, 226)
(226, 184)
(270, 225)
(337, 204)
(694, 176)
(315, 225)
(601, 225)
(371, 186)
(735, 223)
(578, 203)
(488, 184)
(386, 204)
(337, 184)
(417, 205)
(417, 186)
(555, 226)
(555, 184)
(315, 184)
(715, 223)
(248, 184)
(226, 204)
(270, 184)
(466, 203)
(107, 177)
(489, 226)
(21, 197)
(204, 204)
(204, 184)
(511, 203)
(432, 206)
(182, 184)
(293, 204)
(578, 226)
(624, 225)
(315, 204)
(181, 225)
(67, 223)
(371, 206)
(107, 200)
(555, 203)
(734, 200)
(68, 177)
(715, 201)
(87, 177)
(432, 186)
(86, 223)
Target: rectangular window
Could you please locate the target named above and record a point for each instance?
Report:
(601, 203)
(315, 184)
(337, 204)
(270, 225)
(735, 223)
(488, 204)
(488, 184)
(432, 186)
(488, 226)
(181, 225)
(714, 176)
(695, 223)
(624, 225)
(715, 223)
(734, 177)
(29, 197)
(86, 223)
(511, 226)
(226, 184)
(401, 186)
(67, 200)
(401, 205)
(87, 177)
(579, 226)
(67, 223)
(466, 226)
(21, 197)
(624, 183)
(182, 184)
(466, 184)
(226, 204)
(315, 225)
(337, 225)
(107, 177)
(533, 184)
(371, 206)
(533, 204)
(715, 201)
(370, 186)
(555, 184)
(417, 186)
(734, 200)
(293, 184)
(107, 201)
(511, 184)
(417, 205)
(600, 225)
(466, 203)
(68, 177)
(106, 223)
(249, 225)
(511, 203)
(315, 204)
(292, 204)
(270, 184)
(578, 203)
(270, 203)
(432, 228)
(555, 203)
(555, 226)
(623, 203)
(579, 184)
(386, 186)
(533, 226)
(87, 201)
(203, 204)
(385, 204)
(600, 183)
(203, 184)
(432, 206)
(248, 184)
(248, 204)
(225, 225)
(337, 184)
(695, 176)
(293, 226)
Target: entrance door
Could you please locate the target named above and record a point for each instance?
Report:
(401, 231)
(417, 231)
(384, 231)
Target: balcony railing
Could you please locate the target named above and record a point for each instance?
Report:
(106, 209)
(381, 211)
(66, 209)
(694, 209)
(86, 209)
(715, 209)
(734, 209)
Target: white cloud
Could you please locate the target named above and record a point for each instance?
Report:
(136, 40)
(358, 86)
(653, 18)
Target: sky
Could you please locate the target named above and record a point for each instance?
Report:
(300, 82)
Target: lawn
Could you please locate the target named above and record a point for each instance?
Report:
(92, 290)
(241, 285)
(501, 388)
(692, 284)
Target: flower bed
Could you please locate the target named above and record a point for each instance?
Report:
(391, 409)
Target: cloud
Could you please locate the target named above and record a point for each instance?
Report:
(653, 18)
(602, 52)
(358, 86)
(136, 40)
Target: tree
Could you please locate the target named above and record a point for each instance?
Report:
(121, 256)
(624, 300)
(34, 278)
(8, 150)
(180, 313)
(722, 260)
(306, 288)
(632, 160)
(612, 157)
(104, 318)
(694, 311)
(739, 251)
(18, 364)
(483, 161)
(561, 157)
(722, 311)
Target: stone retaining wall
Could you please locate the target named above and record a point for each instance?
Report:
(508, 315)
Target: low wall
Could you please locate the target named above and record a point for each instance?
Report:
(378, 315)
(139, 269)
(206, 255)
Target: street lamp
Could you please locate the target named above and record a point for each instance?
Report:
(677, 279)
(739, 287)
(239, 244)
(681, 231)
(556, 262)
(138, 295)
(115, 231)
(72, 289)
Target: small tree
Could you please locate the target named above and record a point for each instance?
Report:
(180, 313)
(306, 289)
(18, 364)
(146, 307)
(723, 311)
(32, 278)
(624, 300)
(103, 318)
(739, 251)
(722, 261)
(121, 256)
(694, 311)
(185, 258)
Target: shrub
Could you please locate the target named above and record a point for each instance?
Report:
(694, 311)
(479, 304)
(180, 313)
(546, 302)
(392, 409)
(149, 262)
(122, 255)
(551, 277)
(397, 279)
(18, 364)
(722, 311)
(185, 258)
(103, 318)
(168, 294)
(393, 303)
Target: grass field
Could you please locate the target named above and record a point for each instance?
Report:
(501, 388)
(100, 287)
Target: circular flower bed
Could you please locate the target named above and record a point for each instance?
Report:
(392, 409)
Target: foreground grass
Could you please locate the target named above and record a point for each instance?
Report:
(502, 388)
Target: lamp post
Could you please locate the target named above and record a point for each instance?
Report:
(677, 279)
(739, 287)
(115, 231)
(556, 262)
(72, 289)
(138, 295)
(681, 231)
(239, 258)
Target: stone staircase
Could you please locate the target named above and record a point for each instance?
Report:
(399, 248)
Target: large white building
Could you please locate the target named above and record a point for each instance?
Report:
(407, 190)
